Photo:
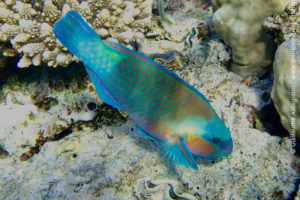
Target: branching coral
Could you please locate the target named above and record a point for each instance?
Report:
(27, 25)
(239, 23)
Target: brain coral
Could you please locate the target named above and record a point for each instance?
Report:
(27, 25)
(239, 23)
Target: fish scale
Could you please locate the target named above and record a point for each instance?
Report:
(135, 98)
(165, 108)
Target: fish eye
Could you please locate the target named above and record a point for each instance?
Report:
(92, 106)
(215, 140)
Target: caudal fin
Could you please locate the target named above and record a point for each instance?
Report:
(179, 154)
(77, 36)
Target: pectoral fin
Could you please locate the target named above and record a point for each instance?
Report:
(140, 131)
(188, 155)
(179, 154)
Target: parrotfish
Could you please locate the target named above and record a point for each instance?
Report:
(164, 107)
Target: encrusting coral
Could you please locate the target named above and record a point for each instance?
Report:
(27, 25)
(286, 85)
(239, 23)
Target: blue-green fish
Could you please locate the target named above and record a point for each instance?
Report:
(165, 108)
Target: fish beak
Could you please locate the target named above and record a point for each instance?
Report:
(226, 147)
(223, 149)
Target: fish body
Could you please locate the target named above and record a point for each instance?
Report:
(165, 108)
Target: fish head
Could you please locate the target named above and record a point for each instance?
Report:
(214, 143)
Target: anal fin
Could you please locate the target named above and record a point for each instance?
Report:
(175, 153)
(140, 131)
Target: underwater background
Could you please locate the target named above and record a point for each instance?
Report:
(58, 140)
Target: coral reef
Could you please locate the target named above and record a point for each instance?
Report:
(27, 25)
(35, 112)
(115, 162)
(240, 26)
(285, 92)
(47, 151)
(284, 25)
(286, 85)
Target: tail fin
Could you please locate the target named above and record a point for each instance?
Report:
(78, 37)
(179, 154)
